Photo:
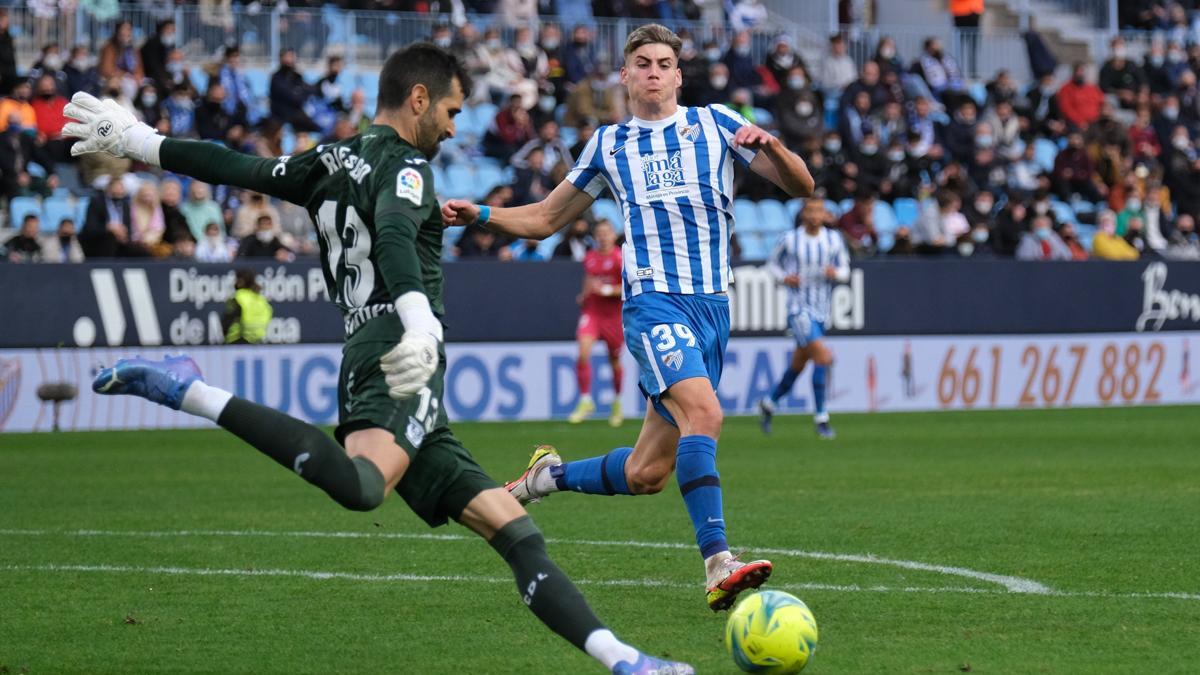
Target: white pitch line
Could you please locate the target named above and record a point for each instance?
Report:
(1010, 583)
(320, 575)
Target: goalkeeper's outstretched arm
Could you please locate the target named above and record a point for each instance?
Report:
(104, 126)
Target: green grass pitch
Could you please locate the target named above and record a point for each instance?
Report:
(992, 542)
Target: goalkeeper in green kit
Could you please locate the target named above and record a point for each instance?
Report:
(380, 228)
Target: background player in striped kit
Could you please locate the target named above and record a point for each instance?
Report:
(671, 169)
(808, 260)
(600, 320)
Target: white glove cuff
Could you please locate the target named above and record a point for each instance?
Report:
(415, 314)
(143, 143)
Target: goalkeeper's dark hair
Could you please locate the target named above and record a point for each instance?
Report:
(420, 63)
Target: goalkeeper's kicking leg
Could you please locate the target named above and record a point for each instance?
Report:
(372, 464)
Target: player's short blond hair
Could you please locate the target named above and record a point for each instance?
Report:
(652, 34)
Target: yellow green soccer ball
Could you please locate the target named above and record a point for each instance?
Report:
(771, 632)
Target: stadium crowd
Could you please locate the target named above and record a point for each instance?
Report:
(911, 158)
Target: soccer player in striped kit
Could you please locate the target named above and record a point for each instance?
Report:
(671, 169)
(808, 261)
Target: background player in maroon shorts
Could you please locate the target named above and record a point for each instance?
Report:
(600, 320)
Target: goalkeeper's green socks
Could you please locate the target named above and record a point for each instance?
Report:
(354, 482)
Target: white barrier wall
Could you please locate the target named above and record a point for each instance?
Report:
(535, 381)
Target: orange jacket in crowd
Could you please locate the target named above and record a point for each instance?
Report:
(1080, 103)
(966, 7)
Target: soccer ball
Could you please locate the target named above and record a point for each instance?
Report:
(771, 632)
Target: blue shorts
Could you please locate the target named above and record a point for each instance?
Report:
(675, 337)
(805, 329)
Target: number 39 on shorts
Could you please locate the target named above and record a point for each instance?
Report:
(666, 340)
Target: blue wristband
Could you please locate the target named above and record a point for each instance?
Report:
(485, 214)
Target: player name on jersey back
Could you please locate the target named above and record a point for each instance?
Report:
(339, 157)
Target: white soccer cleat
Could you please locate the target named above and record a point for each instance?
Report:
(525, 487)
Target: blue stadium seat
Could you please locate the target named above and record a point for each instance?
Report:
(744, 212)
(19, 207)
(488, 176)
(439, 177)
(550, 243)
(259, 81)
(449, 236)
(1044, 152)
(607, 208)
(978, 92)
(885, 217)
(1083, 207)
(485, 113)
(753, 246)
(1086, 234)
(1063, 211)
(459, 179)
(54, 210)
(793, 207)
(763, 117)
(570, 135)
(845, 205)
(81, 206)
(833, 208)
(907, 211)
(886, 241)
(775, 216)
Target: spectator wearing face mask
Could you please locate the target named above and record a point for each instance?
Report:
(579, 57)
(782, 59)
(50, 62)
(17, 107)
(48, 110)
(1042, 243)
(1184, 242)
(799, 110)
(150, 109)
(1075, 172)
(62, 246)
(1134, 208)
(1107, 244)
(1154, 69)
(25, 246)
(742, 72)
(1120, 76)
(1080, 100)
(717, 89)
(155, 52)
(81, 72)
(593, 98)
(264, 243)
(837, 69)
(328, 87)
(958, 135)
(886, 57)
(857, 225)
(214, 246)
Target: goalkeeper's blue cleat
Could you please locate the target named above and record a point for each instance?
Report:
(648, 665)
(163, 382)
(825, 432)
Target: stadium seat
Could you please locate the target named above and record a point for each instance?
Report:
(763, 117)
(19, 207)
(833, 208)
(775, 217)
(744, 211)
(793, 207)
(607, 208)
(550, 243)
(907, 210)
(978, 92)
(81, 206)
(753, 246)
(845, 205)
(439, 178)
(488, 176)
(1044, 152)
(459, 179)
(54, 210)
(1063, 211)
(886, 241)
(885, 217)
(570, 135)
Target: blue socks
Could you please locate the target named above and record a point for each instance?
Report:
(700, 485)
(785, 385)
(603, 475)
(818, 384)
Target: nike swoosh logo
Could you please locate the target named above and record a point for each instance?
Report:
(715, 520)
(614, 151)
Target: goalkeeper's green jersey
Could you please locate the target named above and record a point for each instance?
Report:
(372, 200)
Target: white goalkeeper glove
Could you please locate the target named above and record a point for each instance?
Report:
(106, 126)
(409, 365)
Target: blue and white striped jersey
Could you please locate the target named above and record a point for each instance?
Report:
(807, 256)
(674, 181)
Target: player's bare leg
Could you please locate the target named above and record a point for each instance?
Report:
(583, 375)
(766, 406)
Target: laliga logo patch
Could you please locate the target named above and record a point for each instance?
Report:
(414, 432)
(673, 360)
(690, 132)
(104, 128)
(410, 185)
